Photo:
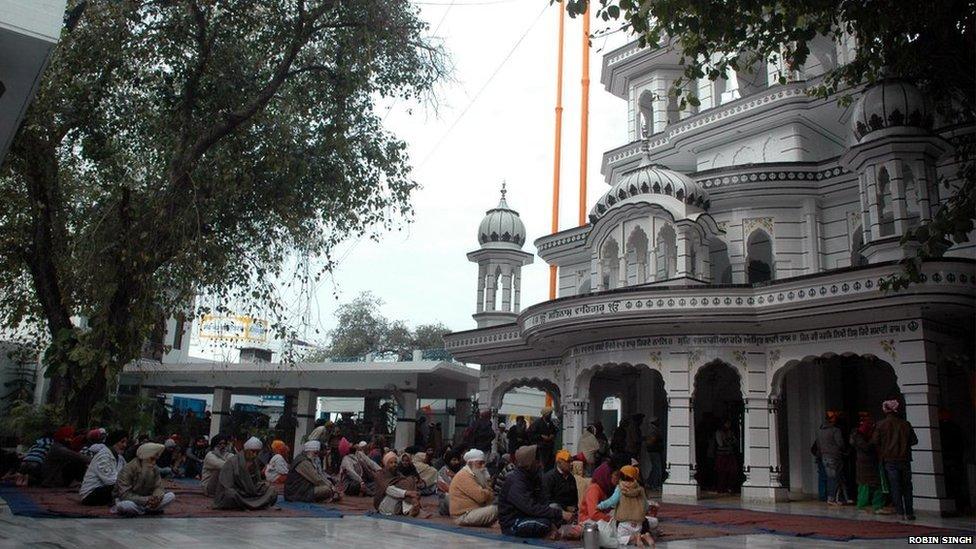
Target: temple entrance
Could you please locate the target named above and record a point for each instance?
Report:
(851, 385)
(635, 395)
(719, 428)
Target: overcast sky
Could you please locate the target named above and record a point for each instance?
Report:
(505, 133)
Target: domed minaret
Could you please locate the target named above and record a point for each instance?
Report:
(500, 260)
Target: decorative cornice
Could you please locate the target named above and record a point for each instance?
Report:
(545, 363)
(772, 174)
(563, 240)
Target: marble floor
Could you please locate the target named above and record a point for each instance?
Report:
(351, 531)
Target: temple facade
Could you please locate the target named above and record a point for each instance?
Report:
(733, 270)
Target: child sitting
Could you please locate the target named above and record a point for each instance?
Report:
(629, 502)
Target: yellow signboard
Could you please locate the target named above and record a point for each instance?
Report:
(234, 328)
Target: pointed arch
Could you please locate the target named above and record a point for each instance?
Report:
(637, 248)
(760, 265)
(666, 246)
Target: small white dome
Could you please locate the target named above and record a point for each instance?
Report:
(888, 104)
(501, 227)
(646, 181)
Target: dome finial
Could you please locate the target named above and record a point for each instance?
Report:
(501, 202)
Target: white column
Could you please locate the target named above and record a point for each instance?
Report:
(813, 236)
(491, 283)
(482, 274)
(873, 207)
(681, 483)
(220, 411)
(507, 288)
(516, 288)
(622, 271)
(865, 211)
(574, 421)
(918, 380)
(898, 205)
(305, 407)
(922, 184)
(684, 254)
(406, 426)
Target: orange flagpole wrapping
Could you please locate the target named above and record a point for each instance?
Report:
(585, 108)
(557, 156)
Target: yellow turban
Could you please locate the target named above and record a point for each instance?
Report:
(562, 455)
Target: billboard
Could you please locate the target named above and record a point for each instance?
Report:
(234, 328)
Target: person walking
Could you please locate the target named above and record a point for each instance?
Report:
(894, 438)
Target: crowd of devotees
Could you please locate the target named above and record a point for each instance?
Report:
(515, 476)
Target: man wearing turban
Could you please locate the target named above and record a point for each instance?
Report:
(139, 488)
(241, 484)
(306, 479)
(559, 485)
(894, 438)
(470, 493)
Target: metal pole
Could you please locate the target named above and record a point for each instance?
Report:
(557, 156)
(585, 107)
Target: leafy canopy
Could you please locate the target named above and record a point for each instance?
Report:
(193, 146)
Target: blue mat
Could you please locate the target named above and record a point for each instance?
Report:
(22, 505)
(475, 532)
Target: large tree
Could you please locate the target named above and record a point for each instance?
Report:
(186, 146)
(932, 44)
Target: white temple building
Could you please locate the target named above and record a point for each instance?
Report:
(732, 270)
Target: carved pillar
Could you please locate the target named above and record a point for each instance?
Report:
(574, 421)
(506, 288)
(681, 483)
(482, 275)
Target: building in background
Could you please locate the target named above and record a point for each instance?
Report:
(29, 30)
(731, 272)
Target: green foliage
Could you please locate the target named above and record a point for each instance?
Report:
(363, 329)
(932, 44)
(177, 148)
(27, 422)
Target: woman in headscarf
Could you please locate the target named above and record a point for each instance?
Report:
(601, 487)
(393, 496)
(866, 468)
(277, 469)
(427, 474)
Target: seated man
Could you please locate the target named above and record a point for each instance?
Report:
(213, 462)
(389, 498)
(446, 473)
(98, 486)
(139, 488)
(427, 474)
(306, 481)
(357, 472)
(522, 511)
(241, 484)
(470, 493)
(32, 466)
(63, 465)
(559, 484)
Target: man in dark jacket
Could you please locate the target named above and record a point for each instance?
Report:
(559, 484)
(542, 433)
(482, 435)
(894, 438)
(522, 511)
(517, 435)
(830, 441)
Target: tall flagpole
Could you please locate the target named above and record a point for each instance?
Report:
(585, 108)
(557, 157)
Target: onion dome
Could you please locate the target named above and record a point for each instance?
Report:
(888, 104)
(501, 227)
(646, 181)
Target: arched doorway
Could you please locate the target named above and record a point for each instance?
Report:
(642, 407)
(717, 401)
(805, 390)
(759, 258)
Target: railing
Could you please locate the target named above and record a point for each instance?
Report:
(392, 356)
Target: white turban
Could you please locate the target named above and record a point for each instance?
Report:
(474, 454)
(148, 450)
(253, 443)
(362, 444)
(312, 446)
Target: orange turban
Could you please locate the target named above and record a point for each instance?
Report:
(630, 471)
(279, 447)
(563, 455)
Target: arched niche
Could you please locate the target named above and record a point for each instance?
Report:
(759, 257)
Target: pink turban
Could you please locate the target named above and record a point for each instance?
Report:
(889, 406)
